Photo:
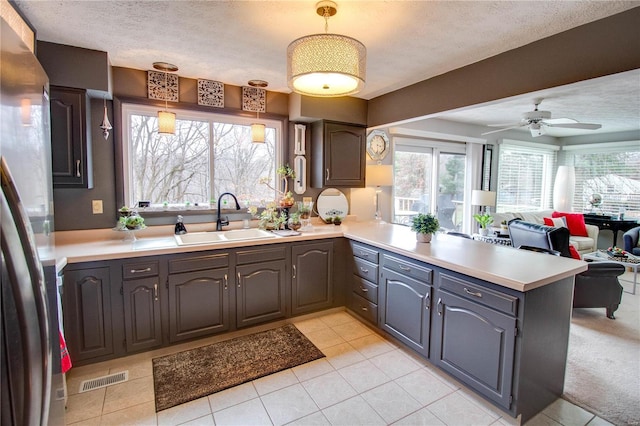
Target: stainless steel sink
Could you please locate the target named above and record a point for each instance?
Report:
(221, 237)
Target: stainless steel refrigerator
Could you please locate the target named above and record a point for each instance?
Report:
(30, 370)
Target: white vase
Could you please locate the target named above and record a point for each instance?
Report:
(423, 238)
(484, 231)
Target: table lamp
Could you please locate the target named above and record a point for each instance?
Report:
(379, 175)
(483, 198)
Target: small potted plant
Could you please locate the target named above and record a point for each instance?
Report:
(337, 220)
(484, 220)
(424, 225)
(124, 211)
(294, 221)
(132, 222)
(503, 227)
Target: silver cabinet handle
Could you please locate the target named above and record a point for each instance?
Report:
(226, 281)
(238, 279)
(365, 271)
(405, 268)
(364, 308)
(439, 306)
(327, 174)
(364, 290)
(155, 292)
(78, 168)
(363, 254)
(472, 293)
(139, 271)
(427, 301)
(294, 272)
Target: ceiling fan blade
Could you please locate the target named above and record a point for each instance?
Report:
(502, 130)
(586, 126)
(506, 125)
(564, 120)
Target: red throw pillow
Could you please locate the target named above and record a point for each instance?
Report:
(575, 223)
(574, 252)
(558, 222)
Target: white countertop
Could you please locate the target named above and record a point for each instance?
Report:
(516, 269)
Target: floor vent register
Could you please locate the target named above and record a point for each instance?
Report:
(104, 381)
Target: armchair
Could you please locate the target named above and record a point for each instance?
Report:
(630, 239)
(597, 287)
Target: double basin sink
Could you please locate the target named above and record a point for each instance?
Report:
(223, 236)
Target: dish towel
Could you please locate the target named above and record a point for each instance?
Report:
(65, 359)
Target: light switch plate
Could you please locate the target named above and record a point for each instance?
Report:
(96, 205)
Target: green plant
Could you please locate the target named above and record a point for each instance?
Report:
(132, 222)
(425, 223)
(484, 219)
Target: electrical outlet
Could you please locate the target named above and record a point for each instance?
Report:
(96, 205)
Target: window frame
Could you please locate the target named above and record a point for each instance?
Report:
(184, 110)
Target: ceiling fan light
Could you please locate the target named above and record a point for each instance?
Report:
(536, 129)
(326, 65)
(166, 123)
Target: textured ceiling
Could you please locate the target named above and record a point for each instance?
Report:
(236, 41)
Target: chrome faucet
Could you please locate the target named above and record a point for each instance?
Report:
(224, 222)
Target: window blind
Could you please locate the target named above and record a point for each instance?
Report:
(525, 177)
(614, 174)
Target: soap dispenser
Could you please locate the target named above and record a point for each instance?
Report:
(180, 229)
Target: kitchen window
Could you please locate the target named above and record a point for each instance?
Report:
(209, 154)
(525, 176)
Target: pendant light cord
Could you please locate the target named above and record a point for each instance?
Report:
(326, 16)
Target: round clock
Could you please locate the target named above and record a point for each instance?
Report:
(377, 145)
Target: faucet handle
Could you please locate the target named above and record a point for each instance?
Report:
(224, 221)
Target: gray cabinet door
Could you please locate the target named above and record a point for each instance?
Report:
(87, 313)
(405, 309)
(475, 344)
(70, 144)
(338, 155)
(312, 279)
(198, 303)
(142, 314)
(260, 292)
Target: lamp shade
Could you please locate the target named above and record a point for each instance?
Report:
(166, 122)
(257, 133)
(483, 198)
(326, 65)
(564, 188)
(379, 175)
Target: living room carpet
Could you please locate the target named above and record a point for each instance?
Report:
(603, 368)
(188, 375)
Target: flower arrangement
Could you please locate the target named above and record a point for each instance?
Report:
(284, 172)
(616, 252)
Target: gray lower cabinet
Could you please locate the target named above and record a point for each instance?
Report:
(198, 296)
(474, 337)
(312, 277)
(142, 314)
(87, 313)
(405, 301)
(261, 280)
(363, 297)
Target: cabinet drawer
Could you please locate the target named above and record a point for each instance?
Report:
(499, 301)
(366, 270)
(364, 308)
(365, 289)
(364, 252)
(260, 255)
(139, 270)
(198, 263)
(408, 268)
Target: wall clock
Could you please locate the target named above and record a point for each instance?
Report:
(377, 145)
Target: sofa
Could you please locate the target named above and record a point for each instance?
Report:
(582, 244)
(631, 240)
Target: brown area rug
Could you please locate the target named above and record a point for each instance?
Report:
(188, 375)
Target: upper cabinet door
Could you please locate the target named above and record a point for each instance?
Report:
(338, 155)
(70, 140)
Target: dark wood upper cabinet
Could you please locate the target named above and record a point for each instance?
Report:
(338, 155)
(70, 138)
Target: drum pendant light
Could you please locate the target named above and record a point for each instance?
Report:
(166, 119)
(326, 65)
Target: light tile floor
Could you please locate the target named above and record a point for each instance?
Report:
(365, 379)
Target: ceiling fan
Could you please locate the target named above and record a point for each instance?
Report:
(537, 121)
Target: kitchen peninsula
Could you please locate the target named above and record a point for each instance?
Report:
(480, 312)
